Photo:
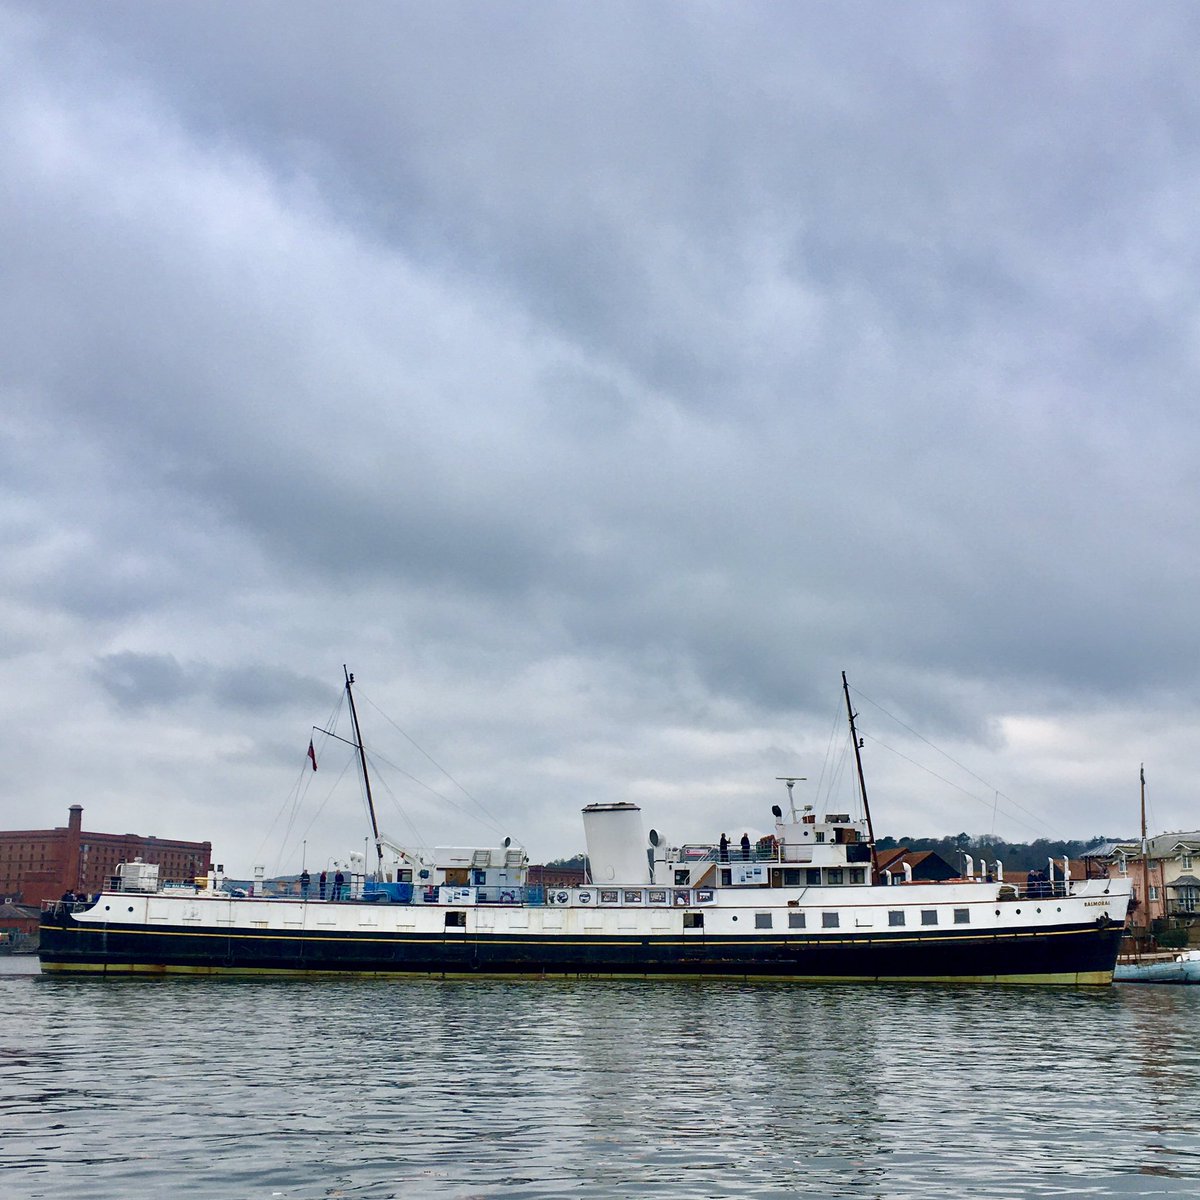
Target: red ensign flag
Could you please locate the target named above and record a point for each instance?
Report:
(312, 754)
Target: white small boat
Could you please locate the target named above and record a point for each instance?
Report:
(1176, 968)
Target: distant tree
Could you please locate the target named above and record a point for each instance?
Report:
(577, 862)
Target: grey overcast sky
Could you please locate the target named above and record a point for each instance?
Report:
(598, 382)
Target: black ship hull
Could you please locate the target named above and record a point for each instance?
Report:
(1070, 955)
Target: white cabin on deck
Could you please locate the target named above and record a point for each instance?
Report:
(805, 851)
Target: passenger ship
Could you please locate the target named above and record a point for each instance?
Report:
(806, 904)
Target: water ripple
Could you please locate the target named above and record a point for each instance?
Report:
(307, 1090)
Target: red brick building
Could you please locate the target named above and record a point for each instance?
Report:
(41, 864)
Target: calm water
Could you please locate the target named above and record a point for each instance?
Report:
(298, 1089)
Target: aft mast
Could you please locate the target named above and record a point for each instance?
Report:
(362, 758)
(1145, 856)
(862, 783)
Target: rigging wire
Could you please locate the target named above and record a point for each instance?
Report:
(1040, 824)
(421, 750)
(950, 783)
(375, 756)
(300, 791)
(296, 796)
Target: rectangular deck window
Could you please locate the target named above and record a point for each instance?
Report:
(962, 916)
(829, 921)
(813, 875)
(929, 916)
(693, 920)
(858, 875)
(896, 916)
(795, 920)
(834, 876)
(456, 920)
(791, 877)
(762, 920)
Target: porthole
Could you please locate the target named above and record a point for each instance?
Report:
(735, 918)
(1018, 912)
(1039, 910)
(107, 908)
(131, 908)
(997, 912)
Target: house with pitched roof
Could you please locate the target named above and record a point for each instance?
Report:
(1166, 880)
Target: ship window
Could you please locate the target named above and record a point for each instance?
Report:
(693, 920)
(406, 875)
(896, 916)
(791, 877)
(814, 876)
(820, 835)
(835, 875)
(929, 916)
(829, 920)
(681, 878)
(726, 877)
(795, 920)
(857, 875)
(456, 920)
(962, 916)
(762, 920)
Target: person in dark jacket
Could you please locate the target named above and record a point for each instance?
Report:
(339, 883)
(321, 884)
(746, 847)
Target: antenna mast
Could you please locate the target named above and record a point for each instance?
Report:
(862, 783)
(362, 758)
(791, 781)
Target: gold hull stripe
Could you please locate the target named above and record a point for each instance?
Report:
(1066, 978)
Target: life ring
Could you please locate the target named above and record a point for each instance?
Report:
(585, 897)
(562, 897)
(507, 897)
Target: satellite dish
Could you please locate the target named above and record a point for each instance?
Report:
(777, 812)
(654, 839)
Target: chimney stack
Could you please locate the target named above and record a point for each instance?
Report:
(70, 880)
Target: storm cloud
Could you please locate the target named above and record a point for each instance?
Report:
(598, 383)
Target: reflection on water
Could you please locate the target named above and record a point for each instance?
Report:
(297, 1089)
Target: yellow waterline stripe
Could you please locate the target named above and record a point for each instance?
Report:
(1067, 978)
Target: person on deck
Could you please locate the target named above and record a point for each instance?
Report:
(339, 884)
(746, 847)
(724, 848)
(305, 879)
(321, 884)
